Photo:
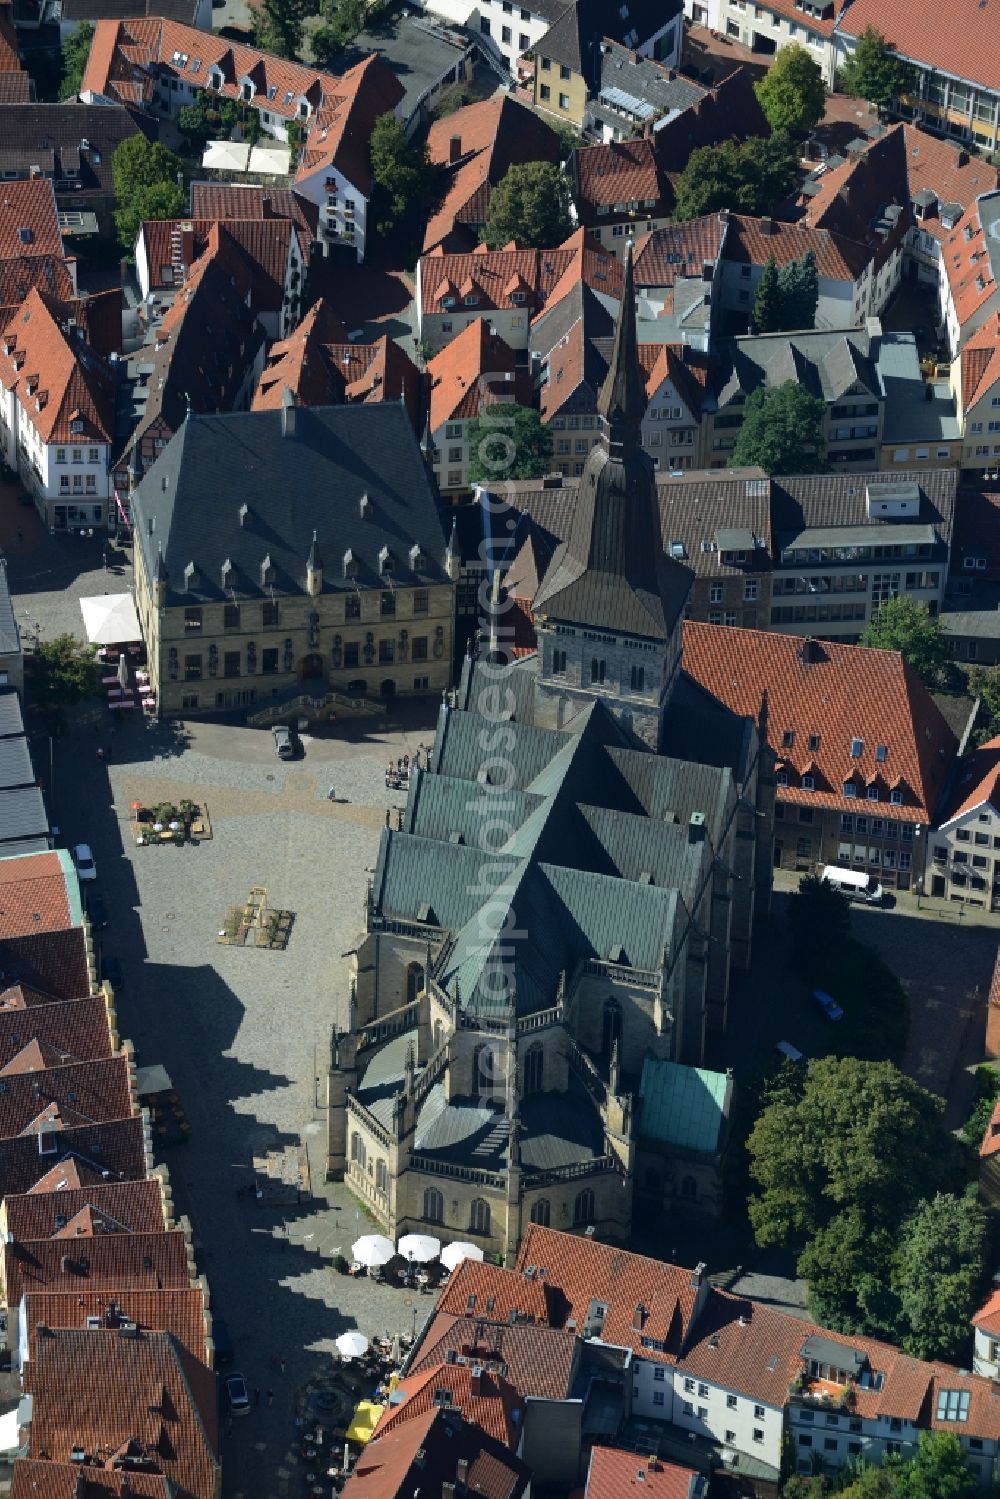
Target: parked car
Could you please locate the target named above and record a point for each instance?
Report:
(86, 869)
(223, 1343)
(111, 970)
(237, 1397)
(828, 1004)
(786, 1049)
(97, 911)
(284, 745)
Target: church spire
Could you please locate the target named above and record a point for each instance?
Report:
(622, 400)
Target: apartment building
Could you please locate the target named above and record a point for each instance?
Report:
(474, 372)
(963, 862)
(769, 26)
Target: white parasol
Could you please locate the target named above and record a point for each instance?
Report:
(453, 1254)
(373, 1249)
(421, 1248)
(352, 1344)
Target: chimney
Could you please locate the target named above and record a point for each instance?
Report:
(697, 1275)
(963, 158)
(809, 651)
(476, 1381)
(462, 1470)
(454, 149)
(766, 224)
(287, 413)
(696, 830)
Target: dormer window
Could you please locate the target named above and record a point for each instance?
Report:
(228, 574)
(850, 789)
(896, 797)
(418, 560)
(808, 783)
(190, 576)
(448, 302)
(76, 426)
(871, 793)
(385, 562)
(517, 298)
(350, 564)
(472, 300)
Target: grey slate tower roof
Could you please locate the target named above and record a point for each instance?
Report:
(611, 572)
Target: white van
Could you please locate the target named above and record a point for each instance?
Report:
(854, 884)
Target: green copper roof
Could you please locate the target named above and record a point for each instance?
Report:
(682, 1105)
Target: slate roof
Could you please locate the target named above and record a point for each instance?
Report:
(108, 1262)
(22, 815)
(492, 135)
(310, 481)
(683, 1106)
(136, 1205)
(424, 1452)
(72, 142)
(15, 764)
(694, 506)
(100, 1390)
(11, 721)
(978, 783)
(817, 502)
(838, 693)
(177, 1311)
(968, 47)
(641, 87)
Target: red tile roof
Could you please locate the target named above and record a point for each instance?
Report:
(421, 1455)
(753, 241)
(33, 895)
(495, 276)
(24, 997)
(35, 1478)
(261, 246)
(619, 172)
(978, 784)
(109, 1262)
(181, 1312)
(49, 274)
(613, 1474)
(481, 1290)
(967, 47)
(78, 1093)
(116, 1147)
(678, 250)
(987, 1319)
(840, 693)
(29, 209)
(966, 262)
(136, 1206)
(485, 1398)
(68, 1175)
(76, 1028)
(104, 1392)
(457, 386)
(59, 381)
(585, 1271)
(980, 365)
(55, 961)
(492, 135)
(538, 1361)
(237, 200)
(991, 1138)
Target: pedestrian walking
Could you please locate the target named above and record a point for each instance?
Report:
(270, 1397)
(281, 1363)
(256, 1394)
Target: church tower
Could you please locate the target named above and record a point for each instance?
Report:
(608, 611)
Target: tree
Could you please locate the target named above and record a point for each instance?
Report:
(749, 177)
(819, 918)
(874, 72)
(529, 205)
(768, 301)
(940, 1271)
(798, 284)
(848, 1265)
(782, 431)
(908, 627)
(983, 1104)
(277, 26)
(984, 683)
(147, 186)
(400, 173)
(65, 671)
(792, 93)
(75, 51)
(508, 442)
(938, 1470)
(194, 124)
(342, 20)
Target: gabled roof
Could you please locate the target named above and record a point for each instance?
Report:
(538, 277)
(978, 783)
(76, 1029)
(481, 1290)
(476, 146)
(618, 172)
(968, 265)
(37, 1478)
(109, 1262)
(682, 249)
(116, 1146)
(458, 387)
(485, 1397)
(980, 362)
(259, 245)
(539, 1361)
(243, 200)
(141, 1394)
(180, 1311)
(754, 241)
(613, 1473)
(422, 1455)
(29, 220)
(94, 1092)
(991, 1135)
(65, 388)
(839, 695)
(987, 1319)
(136, 1205)
(67, 138)
(968, 47)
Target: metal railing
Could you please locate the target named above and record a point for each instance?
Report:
(474, 1174)
(395, 1023)
(574, 1171)
(368, 1121)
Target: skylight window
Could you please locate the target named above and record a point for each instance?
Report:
(272, 92)
(857, 746)
(290, 95)
(953, 1405)
(880, 753)
(196, 65)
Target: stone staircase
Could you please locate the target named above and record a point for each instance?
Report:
(316, 706)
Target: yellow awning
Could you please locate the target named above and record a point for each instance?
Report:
(364, 1421)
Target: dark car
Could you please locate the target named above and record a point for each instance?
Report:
(111, 970)
(97, 911)
(223, 1343)
(237, 1397)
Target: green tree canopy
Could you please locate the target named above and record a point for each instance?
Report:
(529, 205)
(508, 442)
(874, 72)
(75, 51)
(65, 671)
(939, 1274)
(768, 301)
(905, 626)
(749, 177)
(342, 20)
(146, 184)
(787, 299)
(782, 431)
(938, 1470)
(400, 173)
(277, 25)
(792, 93)
(984, 683)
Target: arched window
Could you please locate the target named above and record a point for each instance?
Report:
(414, 981)
(583, 1207)
(612, 1028)
(598, 670)
(534, 1067)
(638, 679)
(541, 1212)
(381, 1175)
(484, 1072)
(433, 1206)
(479, 1217)
(438, 1035)
(358, 1153)
(689, 1188)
